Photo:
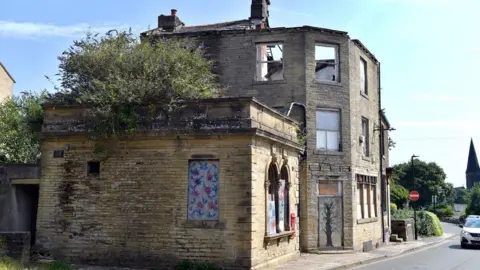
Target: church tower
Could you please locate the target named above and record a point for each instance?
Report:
(473, 169)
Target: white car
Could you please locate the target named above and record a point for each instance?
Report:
(470, 234)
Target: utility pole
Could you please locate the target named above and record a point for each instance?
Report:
(414, 208)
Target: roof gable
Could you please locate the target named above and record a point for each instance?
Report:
(6, 71)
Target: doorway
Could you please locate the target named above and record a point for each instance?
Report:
(330, 214)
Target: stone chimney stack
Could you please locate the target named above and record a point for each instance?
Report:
(259, 13)
(170, 23)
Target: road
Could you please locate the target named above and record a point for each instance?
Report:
(446, 256)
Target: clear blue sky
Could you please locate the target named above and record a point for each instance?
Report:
(429, 50)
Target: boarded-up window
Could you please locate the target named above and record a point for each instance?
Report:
(326, 188)
(366, 196)
(360, 199)
(203, 181)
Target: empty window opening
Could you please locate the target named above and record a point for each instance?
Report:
(326, 63)
(93, 168)
(269, 62)
(328, 130)
(364, 137)
(363, 77)
(58, 153)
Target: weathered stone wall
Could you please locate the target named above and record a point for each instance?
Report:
(6, 85)
(16, 245)
(327, 165)
(234, 57)
(272, 252)
(135, 212)
(365, 106)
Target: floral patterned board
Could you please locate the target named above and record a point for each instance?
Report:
(203, 183)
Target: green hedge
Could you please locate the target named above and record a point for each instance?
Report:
(428, 223)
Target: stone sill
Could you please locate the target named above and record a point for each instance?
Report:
(327, 153)
(363, 95)
(366, 158)
(339, 84)
(269, 82)
(204, 224)
(367, 220)
(278, 236)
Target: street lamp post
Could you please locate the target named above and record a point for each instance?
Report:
(414, 208)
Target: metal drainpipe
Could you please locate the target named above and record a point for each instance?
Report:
(304, 157)
(380, 150)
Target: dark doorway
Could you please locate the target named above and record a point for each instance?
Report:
(28, 206)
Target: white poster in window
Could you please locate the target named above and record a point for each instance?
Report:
(281, 206)
(271, 222)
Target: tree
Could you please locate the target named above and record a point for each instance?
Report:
(463, 196)
(430, 180)
(118, 75)
(398, 194)
(21, 122)
(473, 206)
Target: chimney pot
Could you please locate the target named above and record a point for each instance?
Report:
(174, 12)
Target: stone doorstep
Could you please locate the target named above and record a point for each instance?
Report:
(313, 261)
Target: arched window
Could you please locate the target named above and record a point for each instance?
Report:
(278, 206)
(272, 200)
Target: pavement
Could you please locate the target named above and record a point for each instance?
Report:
(407, 250)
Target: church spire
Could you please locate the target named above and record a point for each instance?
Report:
(472, 164)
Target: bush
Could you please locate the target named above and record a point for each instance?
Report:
(7, 263)
(402, 213)
(56, 265)
(444, 211)
(393, 206)
(428, 224)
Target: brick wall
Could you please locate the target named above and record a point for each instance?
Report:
(134, 212)
(365, 106)
(17, 245)
(284, 249)
(234, 57)
(327, 165)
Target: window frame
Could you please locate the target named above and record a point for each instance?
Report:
(272, 188)
(366, 140)
(258, 62)
(364, 72)
(339, 130)
(367, 190)
(336, 63)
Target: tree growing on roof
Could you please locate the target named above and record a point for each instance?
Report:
(117, 75)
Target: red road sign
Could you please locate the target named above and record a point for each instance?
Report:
(414, 195)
